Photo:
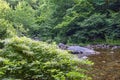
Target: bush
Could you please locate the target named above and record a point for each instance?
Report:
(6, 29)
(25, 59)
(4, 9)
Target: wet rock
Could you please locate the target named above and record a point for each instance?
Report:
(115, 47)
(80, 51)
(103, 46)
(111, 52)
(62, 46)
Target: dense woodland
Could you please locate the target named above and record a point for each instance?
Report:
(30, 29)
(67, 21)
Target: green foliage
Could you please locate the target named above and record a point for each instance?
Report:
(6, 29)
(25, 59)
(87, 21)
(72, 21)
(69, 21)
(92, 28)
(113, 31)
(44, 18)
(68, 27)
(76, 13)
(4, 9)
(24, 14)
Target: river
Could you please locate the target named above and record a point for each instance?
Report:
(106, 65)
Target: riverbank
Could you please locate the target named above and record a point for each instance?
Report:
(103, 46)
(102, 42)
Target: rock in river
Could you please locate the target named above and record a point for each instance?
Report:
(81, 51)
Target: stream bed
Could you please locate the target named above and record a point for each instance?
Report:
(106, 65)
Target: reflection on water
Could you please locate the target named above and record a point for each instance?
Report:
(106, 65)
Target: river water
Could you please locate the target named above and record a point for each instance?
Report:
(106, 65)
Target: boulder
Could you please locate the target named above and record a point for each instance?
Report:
(62, 46)
(80, 51)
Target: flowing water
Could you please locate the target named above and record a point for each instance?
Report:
(106, 65)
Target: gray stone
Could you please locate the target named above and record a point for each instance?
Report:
(62, 46)
(80, 51)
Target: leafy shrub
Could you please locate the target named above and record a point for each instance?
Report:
(113, 29)
(25, 59)
(6, 29)
(4, 9)
(93, 27)
(24, 15)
